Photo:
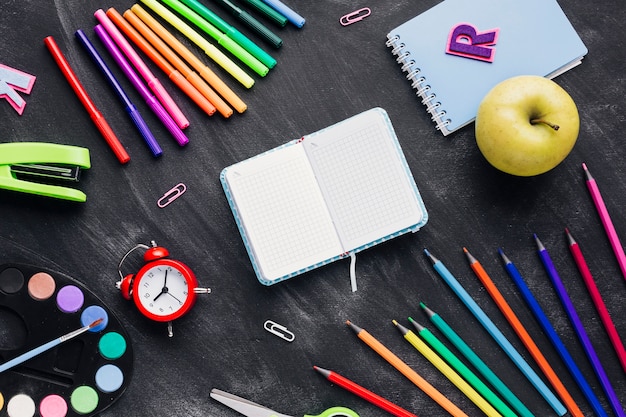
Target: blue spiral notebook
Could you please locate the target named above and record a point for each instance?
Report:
(323, 197)
(456, 51)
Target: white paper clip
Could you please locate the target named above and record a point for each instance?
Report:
(279, 330)
(172, 195)
(355, 16)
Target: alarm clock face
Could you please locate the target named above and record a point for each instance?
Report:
(163, 290)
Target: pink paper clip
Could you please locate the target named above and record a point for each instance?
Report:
(355, 16)
(172, 195)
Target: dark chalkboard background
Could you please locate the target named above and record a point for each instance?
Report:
(325, 73)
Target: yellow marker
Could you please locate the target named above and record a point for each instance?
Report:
(208, 48)
(448, 372)
(205, 72)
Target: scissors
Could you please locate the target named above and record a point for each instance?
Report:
(250, 409)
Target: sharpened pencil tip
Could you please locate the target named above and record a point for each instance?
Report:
(505, 258)
(395, 322)
(584, 166)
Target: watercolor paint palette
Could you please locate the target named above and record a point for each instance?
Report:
(80, 377)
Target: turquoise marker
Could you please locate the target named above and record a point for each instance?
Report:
(497, 335)
(231, 32)
(221, 38)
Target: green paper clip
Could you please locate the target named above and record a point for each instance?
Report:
(37, 160)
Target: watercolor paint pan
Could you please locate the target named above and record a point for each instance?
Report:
(80, 377)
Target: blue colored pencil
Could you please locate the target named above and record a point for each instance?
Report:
(579, 329)
(497, 335)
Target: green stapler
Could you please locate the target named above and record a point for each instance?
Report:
(23, 163)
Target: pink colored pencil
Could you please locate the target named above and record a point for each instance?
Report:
(606, 220)
(597, 300)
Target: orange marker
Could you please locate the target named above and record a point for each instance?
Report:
(222, 107)
(165, 66)
(204, 71)
(519, 328)
(413, 376)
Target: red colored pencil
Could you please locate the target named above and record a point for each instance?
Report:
(94, 113)
(364, 393)
(597, 300)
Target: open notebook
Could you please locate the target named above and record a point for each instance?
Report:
(441, 51)
(323, 197)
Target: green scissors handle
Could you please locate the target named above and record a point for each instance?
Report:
(336, 412)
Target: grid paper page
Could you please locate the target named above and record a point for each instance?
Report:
(367, 188)
(283, 211)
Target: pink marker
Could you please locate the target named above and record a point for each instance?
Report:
(153, 83)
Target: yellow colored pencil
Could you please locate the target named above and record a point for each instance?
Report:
(407, 371)
(447, 371)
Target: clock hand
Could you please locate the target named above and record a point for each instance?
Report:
(175, 298)
(164, 289)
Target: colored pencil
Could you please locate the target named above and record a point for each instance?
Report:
(209, 49)
(607, 223)
(142, 68)
(616, 341)
(463, 370)
(447, 371)
(47, 346)
(498, 336)
(406, 370)
(523, 334)
(364, 393)
(204, 71)
(476, 361)
(579, 329)
(172, 73)
(96, 117)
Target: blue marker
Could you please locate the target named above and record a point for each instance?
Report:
(128, 105)
(286, 11)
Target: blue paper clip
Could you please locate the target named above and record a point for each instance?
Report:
(172, 195)
(355, 16)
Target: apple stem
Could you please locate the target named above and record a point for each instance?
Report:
(552, 125)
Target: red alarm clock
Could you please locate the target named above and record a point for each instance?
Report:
(164, 289)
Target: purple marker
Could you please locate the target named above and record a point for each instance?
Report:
(151, 100)
(128, 104)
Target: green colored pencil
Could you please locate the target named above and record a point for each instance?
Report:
(478, 363)
(463, 370)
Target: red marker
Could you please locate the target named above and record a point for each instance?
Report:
(94, 113)
(364, 393)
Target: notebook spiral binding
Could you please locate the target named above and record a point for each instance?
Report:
(418, 83)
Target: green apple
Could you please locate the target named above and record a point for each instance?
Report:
(526, 125)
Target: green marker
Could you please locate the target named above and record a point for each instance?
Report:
(268, 12)
(221, 38)
(231, 32)
(463, 370)
(478, 363)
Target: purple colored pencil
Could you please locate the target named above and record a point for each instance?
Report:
(150, 99)
(579, 329)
